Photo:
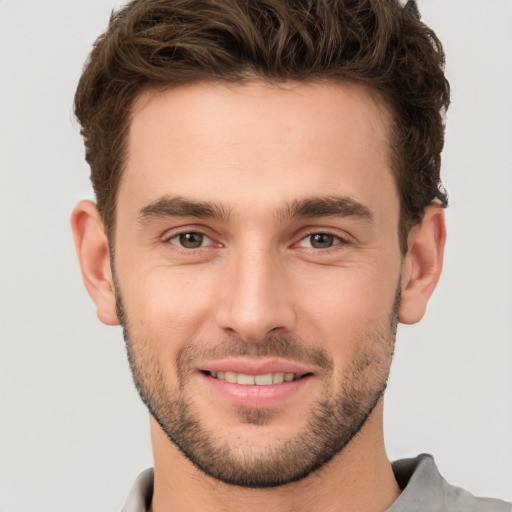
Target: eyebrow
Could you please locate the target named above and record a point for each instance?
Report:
(330, 206)
(177, 206)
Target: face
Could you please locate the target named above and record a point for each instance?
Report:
(257, 265)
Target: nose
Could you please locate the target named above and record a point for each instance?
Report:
(255, 299)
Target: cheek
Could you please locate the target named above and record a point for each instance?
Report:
(351, 315)
(345, 299)
(166, 306)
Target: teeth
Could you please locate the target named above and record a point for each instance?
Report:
(230, 377)
(246, 380)
(278, 378)
(250, 380)
(263, 380)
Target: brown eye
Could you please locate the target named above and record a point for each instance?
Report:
(321, 240)
(189, 240)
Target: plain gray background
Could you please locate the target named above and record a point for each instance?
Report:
(73, 433)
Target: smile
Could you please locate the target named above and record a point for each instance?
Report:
(266, 379)
(251, 384)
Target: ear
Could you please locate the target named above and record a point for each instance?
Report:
(422, 264)
(93, 255)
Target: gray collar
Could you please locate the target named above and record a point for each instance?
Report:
(425, 490)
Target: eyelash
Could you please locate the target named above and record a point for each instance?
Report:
(186, 250)
(338, 242)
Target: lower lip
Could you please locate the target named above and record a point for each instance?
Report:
(255, 397)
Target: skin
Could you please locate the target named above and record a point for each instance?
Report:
(254, 151)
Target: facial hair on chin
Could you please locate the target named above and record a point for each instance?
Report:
(333, 421)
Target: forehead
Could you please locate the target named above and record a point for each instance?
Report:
(258, 142)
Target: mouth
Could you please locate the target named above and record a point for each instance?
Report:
(255, 383)
(265, 379)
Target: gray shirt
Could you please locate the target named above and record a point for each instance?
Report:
(423, 490)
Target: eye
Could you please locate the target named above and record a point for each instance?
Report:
(320, 241)
(190, 240)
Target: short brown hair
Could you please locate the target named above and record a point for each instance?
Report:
(167, 43)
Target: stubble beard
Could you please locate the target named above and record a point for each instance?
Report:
(334, 420)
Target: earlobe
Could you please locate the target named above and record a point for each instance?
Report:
(422, 264)
(92, 249)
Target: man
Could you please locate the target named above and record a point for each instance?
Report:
(269, 207)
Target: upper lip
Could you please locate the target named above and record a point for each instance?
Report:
(254, 366)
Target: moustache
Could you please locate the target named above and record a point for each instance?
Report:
(273, 346)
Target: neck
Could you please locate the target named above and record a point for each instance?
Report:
(360, 478)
